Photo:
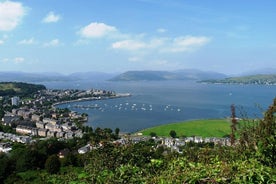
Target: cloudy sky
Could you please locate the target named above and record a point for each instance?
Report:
(67, 36)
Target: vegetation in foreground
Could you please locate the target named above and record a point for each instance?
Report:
(203, 128)
(250, 159)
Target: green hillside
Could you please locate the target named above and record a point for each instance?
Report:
(203, 128)
(252, 79)
(19, 88)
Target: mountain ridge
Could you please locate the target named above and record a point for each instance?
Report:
(154, 75)
(17, 76)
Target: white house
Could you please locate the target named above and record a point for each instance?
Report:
(84, 149)
(5, 147)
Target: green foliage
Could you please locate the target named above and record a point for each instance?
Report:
(2, 112)
(6, 129)
(153, 134)
(52, 164)
(22, 158)
(49, 146)
(70, 160)
(203, 128)
(173, 133)
(260, 138)
(251, 160)
(30, 176)
(19, 88)
(182, 170)
(5, 169)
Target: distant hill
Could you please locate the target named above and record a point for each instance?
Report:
(31, 77)
(263, 71)
(48, 77)
(97, 76)
(167, 75)
(269, 79)
(19, 88)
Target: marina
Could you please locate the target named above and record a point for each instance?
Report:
(121, 107)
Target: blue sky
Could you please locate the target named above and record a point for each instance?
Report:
(69, 36)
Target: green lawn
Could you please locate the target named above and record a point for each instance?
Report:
(203, 128)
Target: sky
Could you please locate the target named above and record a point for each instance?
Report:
(67, 36)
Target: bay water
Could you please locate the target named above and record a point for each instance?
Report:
(154, 103)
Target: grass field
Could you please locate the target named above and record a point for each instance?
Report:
(8, 86)
(203, 128)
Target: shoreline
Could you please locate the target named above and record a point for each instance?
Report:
(119, 95)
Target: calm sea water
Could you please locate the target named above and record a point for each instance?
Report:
(162, 102)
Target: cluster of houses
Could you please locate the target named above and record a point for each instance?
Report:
(37, 116)
(15, 138)
(28, 123)
(174, 144)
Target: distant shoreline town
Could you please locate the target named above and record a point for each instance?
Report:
(119, 95)
(37, 115)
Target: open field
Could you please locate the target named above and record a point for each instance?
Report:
(203, 128)
(8, 86)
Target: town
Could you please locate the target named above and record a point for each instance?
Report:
(38, 118)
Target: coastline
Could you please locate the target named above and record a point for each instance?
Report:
(119, 95)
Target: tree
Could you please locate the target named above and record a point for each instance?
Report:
(260, 137)
(173, 133)
(52, 164)
(153, 134)
(117, 131)
(115, 135)
(26, 159)
(69, 159)
(267, 136)
(233, 125)
(6, 167)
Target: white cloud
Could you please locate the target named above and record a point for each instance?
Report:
(187, 43)
(97, 30)
(179, 44)
(15, 60)
(129, 45)
(137, 44)
(27, 41)
(11, 14)
(18, 59)
(5, 60)
(1, 42)
(51, 17)
(52, 43)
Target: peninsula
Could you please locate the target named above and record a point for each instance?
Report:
(251, 79)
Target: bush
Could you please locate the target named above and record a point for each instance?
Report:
(52, 164)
